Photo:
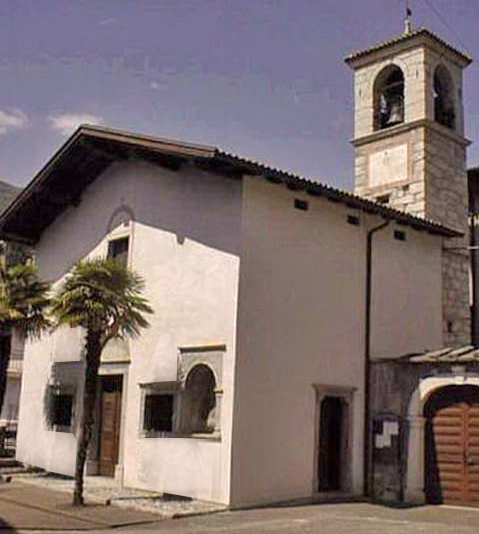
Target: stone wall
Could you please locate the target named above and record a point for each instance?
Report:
(447, 202)
(419, 166)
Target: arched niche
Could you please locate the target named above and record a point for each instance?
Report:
(388, 95)
(198, 402)
(443, 92)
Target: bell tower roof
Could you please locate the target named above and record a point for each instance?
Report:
(421, 36)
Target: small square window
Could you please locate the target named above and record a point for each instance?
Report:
(158, 415)
(399, 235)
(301, 204)
(383, 199)
(62, 410)
(118, 249)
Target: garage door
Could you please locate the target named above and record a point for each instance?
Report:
(452, 446)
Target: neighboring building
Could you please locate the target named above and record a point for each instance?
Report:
(14, 345)
(410, 154)
(258, 282)
(275, 298)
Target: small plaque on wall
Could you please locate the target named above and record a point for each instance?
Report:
(389, 165)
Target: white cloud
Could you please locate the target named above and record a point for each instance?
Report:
(108, 22)
(157, 86)
(67, 123)
(12, 119)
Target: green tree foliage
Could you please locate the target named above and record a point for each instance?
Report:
(105, 299)
(23, 304)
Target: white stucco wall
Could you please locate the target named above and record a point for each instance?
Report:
(184, 241)
(301, 323)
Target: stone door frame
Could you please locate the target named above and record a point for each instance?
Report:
(415, 479)
(346, 395)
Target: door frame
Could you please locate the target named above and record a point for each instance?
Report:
(415, 477)
(346, 395)
(109, 369)
(461, 398)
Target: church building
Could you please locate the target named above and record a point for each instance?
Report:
(305, 341)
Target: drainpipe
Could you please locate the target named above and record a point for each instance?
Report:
(474, 242)
(367, 480)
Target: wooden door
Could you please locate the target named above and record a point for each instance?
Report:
(110, 414)
(452, 446)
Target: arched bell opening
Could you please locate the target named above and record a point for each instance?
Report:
(388, 98)
(443, 92)
(451, 452)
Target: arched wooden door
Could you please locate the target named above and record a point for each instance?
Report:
(452, 446)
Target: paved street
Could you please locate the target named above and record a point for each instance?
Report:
(358, 518)
(31, 508)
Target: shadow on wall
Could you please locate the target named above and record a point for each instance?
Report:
(190, 203)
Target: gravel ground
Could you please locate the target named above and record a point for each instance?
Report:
(104, 489)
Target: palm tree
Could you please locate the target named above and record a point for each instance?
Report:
(104, 298)
(23, 302)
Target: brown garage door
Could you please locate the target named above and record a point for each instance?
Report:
(452, 446)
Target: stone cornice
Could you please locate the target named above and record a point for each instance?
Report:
(408, 126)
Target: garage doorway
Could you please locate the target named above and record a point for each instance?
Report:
(452, 446)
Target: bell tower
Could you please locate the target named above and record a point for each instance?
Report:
(410, 150)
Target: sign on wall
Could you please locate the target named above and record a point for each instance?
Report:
(389, 165)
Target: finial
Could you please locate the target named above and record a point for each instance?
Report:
(407, 20)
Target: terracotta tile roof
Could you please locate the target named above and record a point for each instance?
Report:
(464, 354)
(354, 201)
(91, 149)
(406, 37)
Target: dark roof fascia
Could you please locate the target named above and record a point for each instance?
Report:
(37, 181)
(161, 144)
(215, 159)
(296, 183)
(406, 41)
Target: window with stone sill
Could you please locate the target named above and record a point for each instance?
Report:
(188, 409)
(60, 409)
(159, 403)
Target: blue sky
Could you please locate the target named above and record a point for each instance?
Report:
(264, 79)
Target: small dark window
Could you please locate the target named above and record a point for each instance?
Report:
(158, 413)
(301, 204)
(62, 410)
(118, 249)
(399, 235)
(383, 199)
(353, 219)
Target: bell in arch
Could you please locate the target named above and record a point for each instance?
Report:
(396, 112)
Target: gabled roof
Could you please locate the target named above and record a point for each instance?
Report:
(91, 149)
(409, 38)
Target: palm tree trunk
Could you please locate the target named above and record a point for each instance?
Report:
(4, 361)
(93, 352)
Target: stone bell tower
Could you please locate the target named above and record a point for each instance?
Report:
(410, 150)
